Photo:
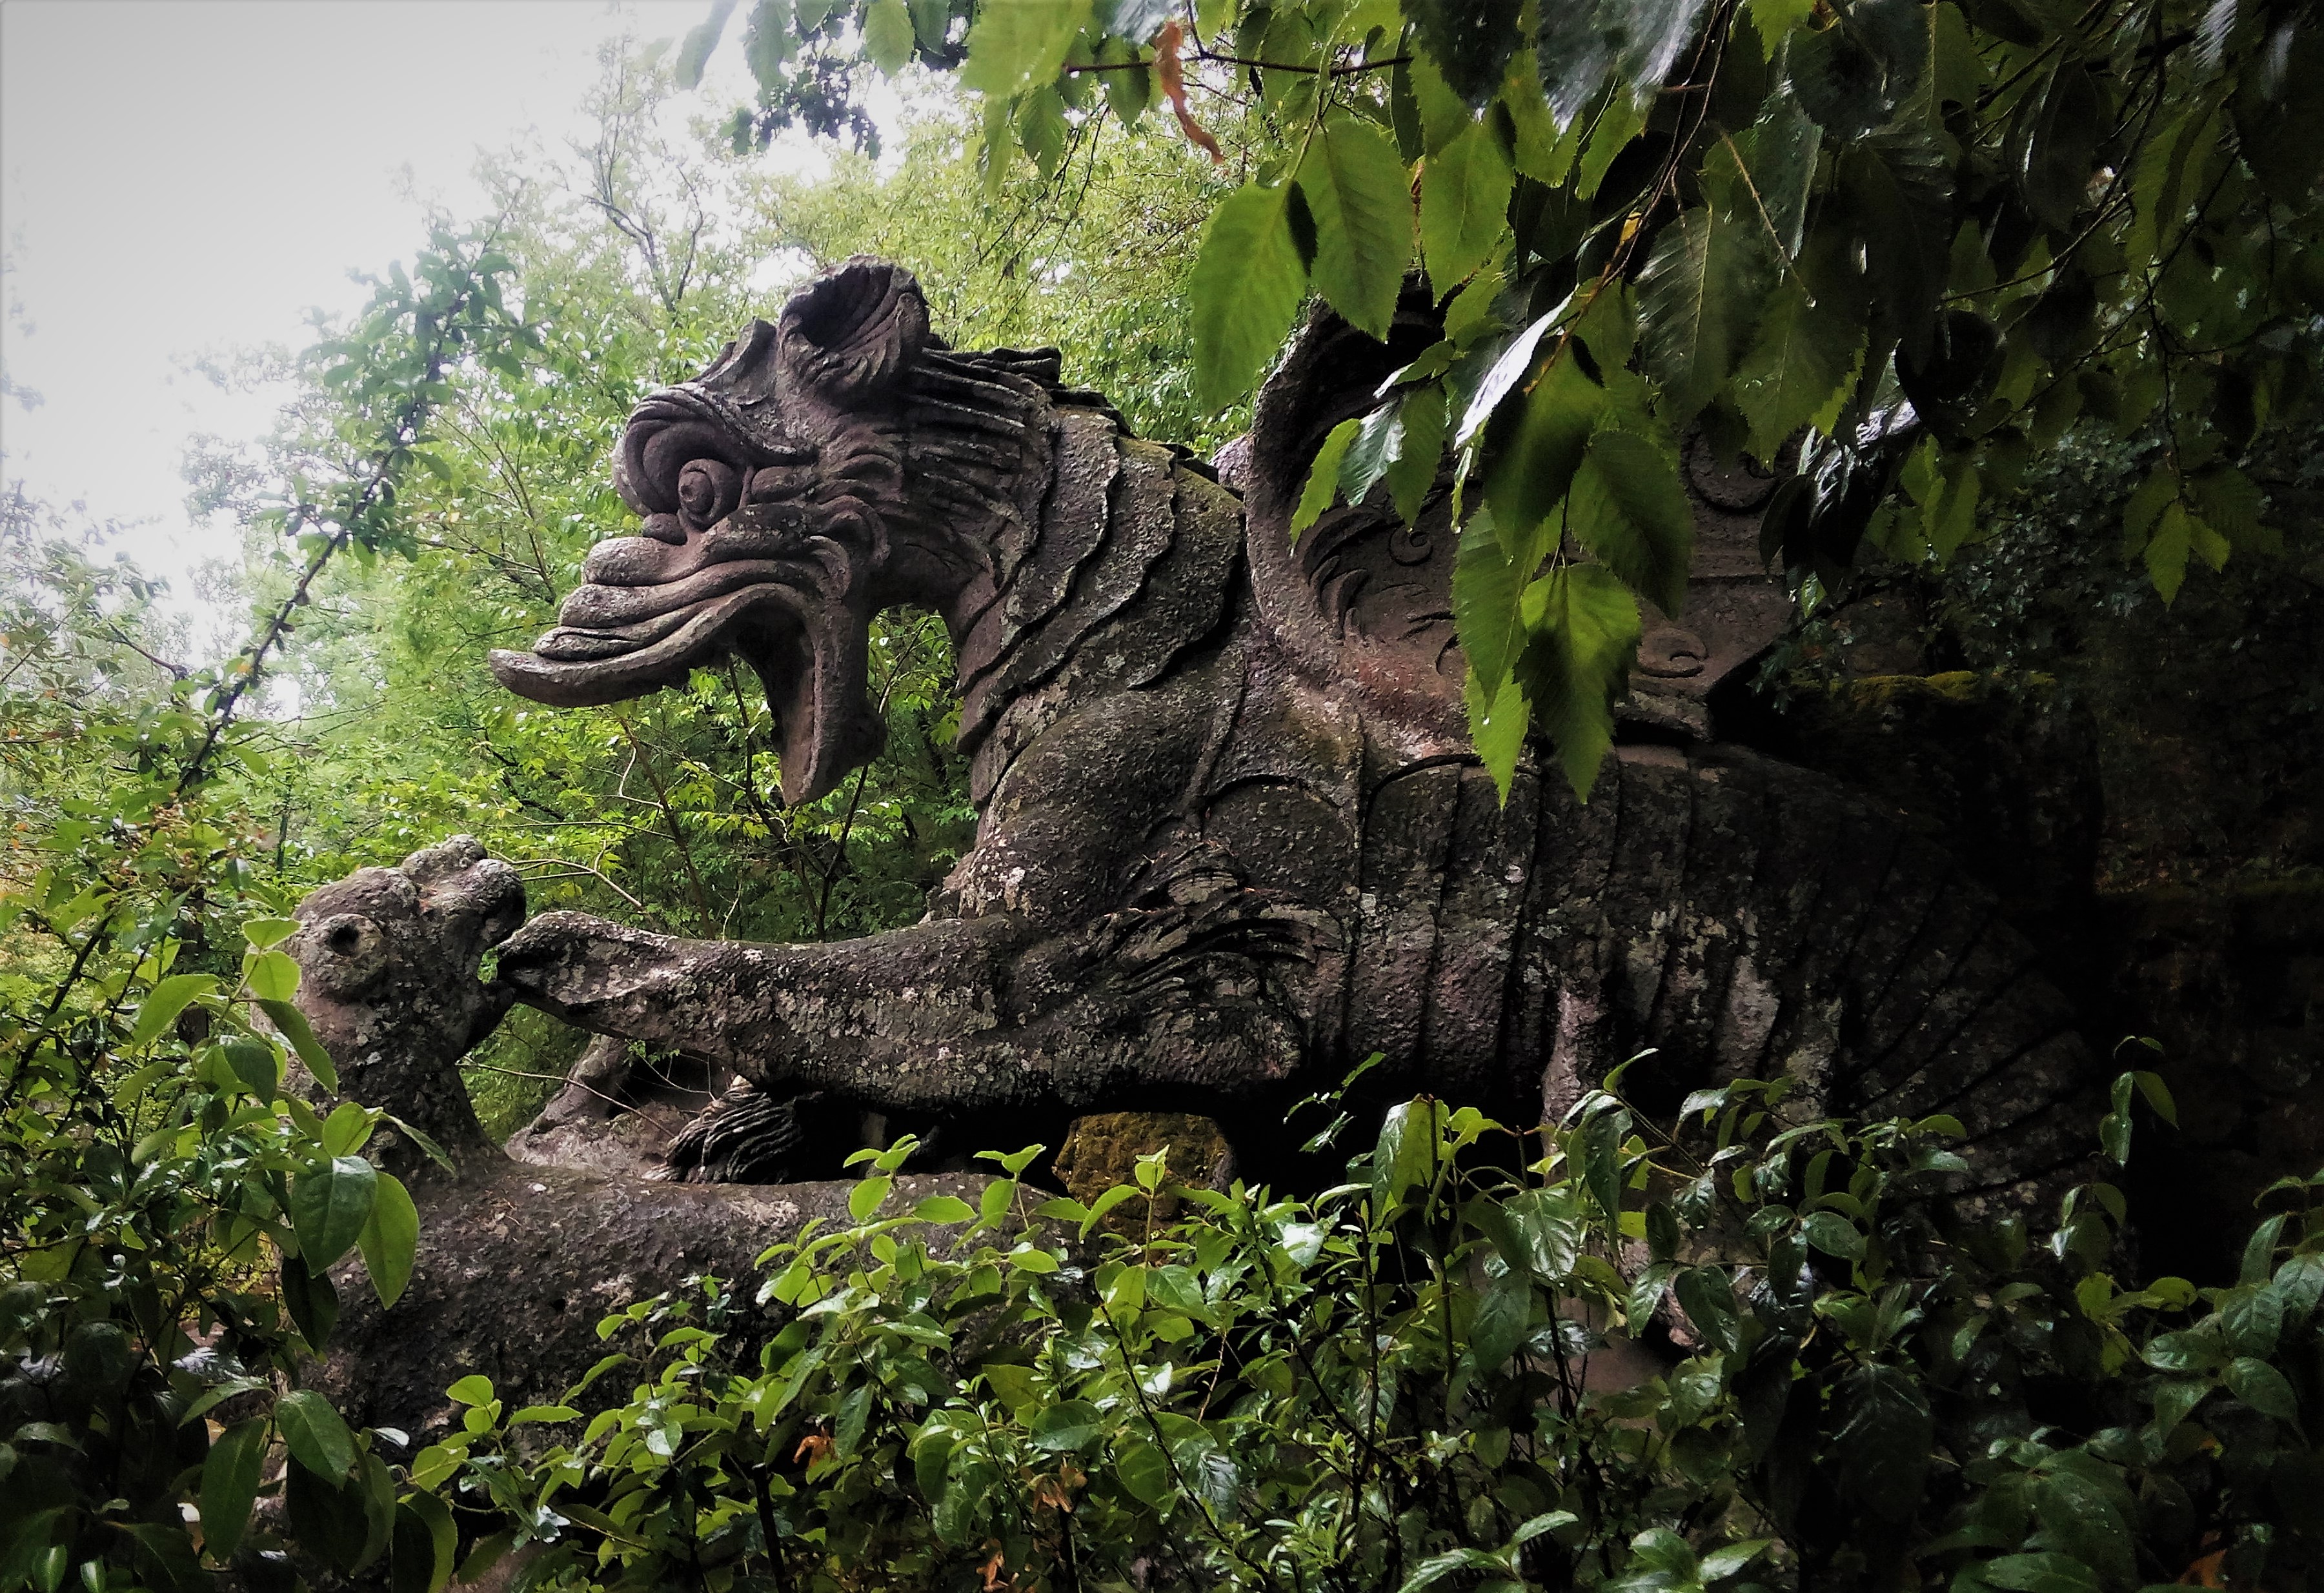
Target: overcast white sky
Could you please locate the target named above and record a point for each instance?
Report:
(183, 176)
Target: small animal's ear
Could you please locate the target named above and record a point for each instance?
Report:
(852, 332)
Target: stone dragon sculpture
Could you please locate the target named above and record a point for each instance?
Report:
(1232, 839)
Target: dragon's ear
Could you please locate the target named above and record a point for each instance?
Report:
(852, 332)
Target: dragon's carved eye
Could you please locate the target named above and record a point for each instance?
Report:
(707, 491)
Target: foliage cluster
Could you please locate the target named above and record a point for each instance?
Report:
(1930, 236)
(1751, 1354)
(168, 1203)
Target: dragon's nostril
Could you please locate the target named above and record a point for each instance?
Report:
(344, 939)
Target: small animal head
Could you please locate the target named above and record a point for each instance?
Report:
(840, 461)
(389, 961)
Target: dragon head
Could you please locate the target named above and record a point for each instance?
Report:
(809, 478)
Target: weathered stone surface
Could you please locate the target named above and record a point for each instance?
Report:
(1102, 1150)
(516, 1262)
(1232, 838)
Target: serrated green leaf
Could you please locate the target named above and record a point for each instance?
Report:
(1534, 448)
(1584, 634)
(1629, 508)
(1464, 203)
(1800, 367)
(1420, 449)
(1356, 189)
(1324, 475)
(1581, 44)
(887, 35)
(1020, 44)
(1699, 300)
(1244, 289)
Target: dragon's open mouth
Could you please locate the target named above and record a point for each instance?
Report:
(757, 585)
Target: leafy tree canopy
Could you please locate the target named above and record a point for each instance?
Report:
(1914, 242)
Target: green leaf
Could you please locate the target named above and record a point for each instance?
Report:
(1534, 448)
(1800, 368)
(1019, 44)
(1145, 1471)
(1465, 202)
(1244, 289)
(866, 1197)
(1496, 728)
(317, 1439)
(328, 1208)
(1582, 42)
(1699, 299)
(345, 1129)
(271, 976)
(390, 1238)
(426, 1545)
(887, 35)
(1629, 507)
(693, 53)
(1834, 1234)
(945, 1210)
(263, 932)
(230, 1486)
(474, 1389)
(2264, 1388)
(291, 1025)
(1881, 1453)
(1323, 476)
(162, 1004)
(1706, 1295)
(1585, 633)
(1071, 1424)
(1420, 449)
(1356, 190)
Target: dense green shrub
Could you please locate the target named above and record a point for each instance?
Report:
(1756, 1354)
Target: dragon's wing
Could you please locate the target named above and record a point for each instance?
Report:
(1361, 597)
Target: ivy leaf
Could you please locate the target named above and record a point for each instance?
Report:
(1020, 44)
(1627, 507)
(1464, 203)
(328, 1208)
(317, 1439)
(1245, 287)
(1799, 370)
(1584, 626)
(887, 35)
(390, 1238)
(230, 1486)
(1355, 187)
(1698, 297)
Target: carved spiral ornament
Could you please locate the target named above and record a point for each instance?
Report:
(707, 491)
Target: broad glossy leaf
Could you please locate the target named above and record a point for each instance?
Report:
(1708, 1298)
(328, 1208)
(1883, 1447)
(1628, 508)
(230, 1474)
(2264, 1388)
(390, 1238)
(1699, 299)
(1067, 1425)
(1020, 44)
(1245, 287)
(292, 1026)
(1852, 74)
(317, 1439)
(270, 976)
(1357, 191)
(164, 1003)
(1465, 202)
(1469, 41)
